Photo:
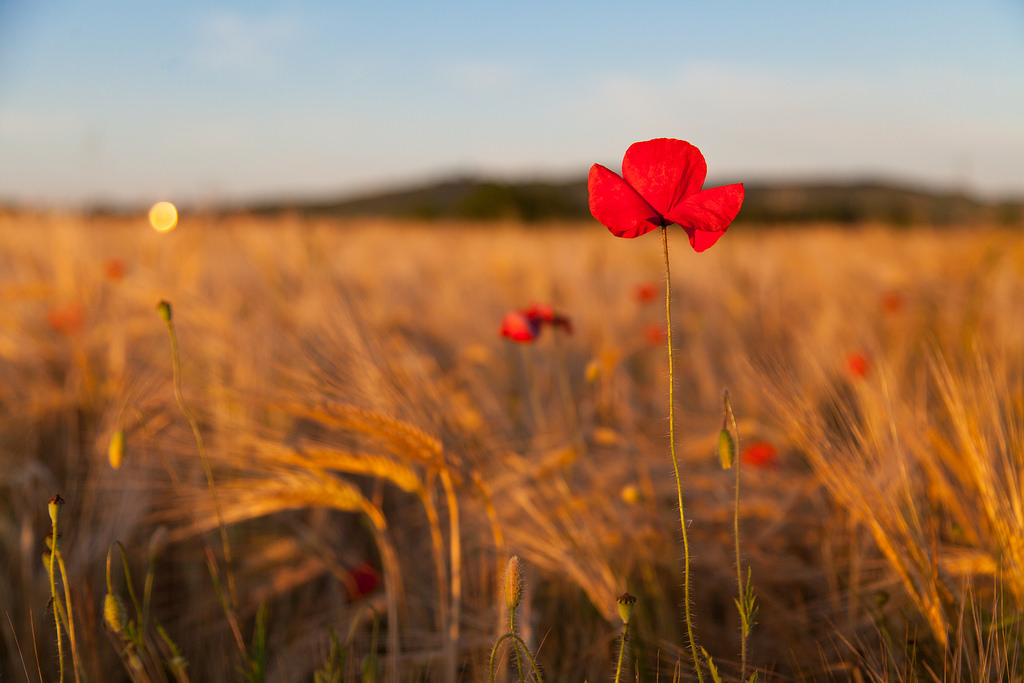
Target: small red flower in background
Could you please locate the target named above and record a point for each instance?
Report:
(891, 302)
(645, 293)
(544, 314)
(857, 364)
(661, 184)
(114, 269)
(67, 319)
(654, 334)
(364, 579)
(525, 326)
(760, 454)
(519, 327)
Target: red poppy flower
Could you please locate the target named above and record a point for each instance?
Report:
(520, 327)
(364, 580)
(661, 184)
(65, 319)
(544, 314)
(525, 326)
(114, 269)
(760, 454)
(857, 364)
(645, 293)
(654, 334)
(891, 302)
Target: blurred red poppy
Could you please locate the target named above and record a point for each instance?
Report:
(519, 327)
(114, 269)
(65, 319)
(661, 184)
(525, 325)
(760, 454)
(857, 364)
(654, 334)
(645, 293)
(364, 580)
(543, 313)
(891, 302)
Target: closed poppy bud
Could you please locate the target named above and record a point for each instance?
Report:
(164, 309)
(114, 612)
(513, 583)
(115, 451)
(726, 449)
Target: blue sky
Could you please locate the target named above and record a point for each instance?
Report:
(201, 102)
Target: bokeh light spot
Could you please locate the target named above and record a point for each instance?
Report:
(163, 216)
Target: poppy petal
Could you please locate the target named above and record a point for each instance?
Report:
(617, 206)
(518, 327)
(664, 171)
(706, 215)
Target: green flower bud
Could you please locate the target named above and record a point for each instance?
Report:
(114, 612)
(726, 449)
(164, 309)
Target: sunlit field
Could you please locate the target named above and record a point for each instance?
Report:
(376, 450)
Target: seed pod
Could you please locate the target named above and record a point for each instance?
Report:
(626, 604)
(54, 505)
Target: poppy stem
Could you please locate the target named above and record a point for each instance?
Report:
(675, 460)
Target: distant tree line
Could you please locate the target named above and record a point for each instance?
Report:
(536, 202)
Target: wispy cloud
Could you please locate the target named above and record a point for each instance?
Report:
(233, 41)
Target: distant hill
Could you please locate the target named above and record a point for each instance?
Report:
(532, 202)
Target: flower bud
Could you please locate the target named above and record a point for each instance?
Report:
(513, 582)
(164, 309)
(115, 451)
(726, 449)
(114, 612)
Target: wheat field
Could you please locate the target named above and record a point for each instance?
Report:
(378, 451)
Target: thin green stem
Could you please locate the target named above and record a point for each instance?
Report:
(742, 594)
(571, 410)
(194, 424)
(56, 600)
(517, 642)
(515, 648)
(70, 614)
(675, 460)
(622, 650)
